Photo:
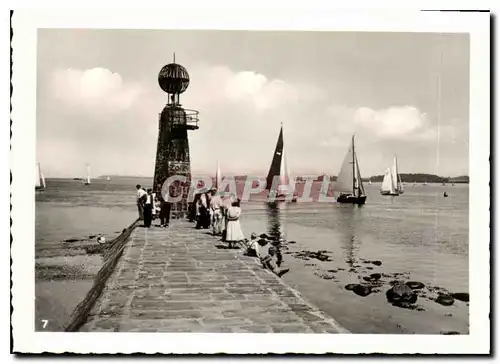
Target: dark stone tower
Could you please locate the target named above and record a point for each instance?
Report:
(172, 153)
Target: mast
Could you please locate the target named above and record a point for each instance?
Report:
(395, 174)
(353, 169)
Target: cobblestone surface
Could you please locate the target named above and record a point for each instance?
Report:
(177, 280)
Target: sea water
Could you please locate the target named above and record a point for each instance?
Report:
(419, 235)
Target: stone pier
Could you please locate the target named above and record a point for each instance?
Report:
(182, 280)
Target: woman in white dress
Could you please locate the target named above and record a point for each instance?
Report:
(234, 234)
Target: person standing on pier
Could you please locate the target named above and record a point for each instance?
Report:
(156, 205)
(234, 234)
(141, 199)
(226, 204)
(203, 213)
(216, 208)
(165, 208)
(193, 212)
(148, 208)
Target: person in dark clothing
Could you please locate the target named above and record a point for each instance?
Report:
(148, 208)
(193, 208)
(165, 213)
(203, 213)
(207, 217)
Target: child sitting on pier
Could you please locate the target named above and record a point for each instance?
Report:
(252, 246)
(267, 262)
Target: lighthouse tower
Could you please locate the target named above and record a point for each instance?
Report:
(172, 153)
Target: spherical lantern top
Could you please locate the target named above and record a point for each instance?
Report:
(173, 79)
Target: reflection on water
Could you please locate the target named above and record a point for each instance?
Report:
(274, 222)
(349, 242)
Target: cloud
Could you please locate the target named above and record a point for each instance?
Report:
(396, 122)
(93, 90)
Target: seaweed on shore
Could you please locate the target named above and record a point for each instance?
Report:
(319, 255)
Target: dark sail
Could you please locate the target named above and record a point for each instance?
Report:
(275, 168)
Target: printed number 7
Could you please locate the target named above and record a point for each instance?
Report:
(45, 322)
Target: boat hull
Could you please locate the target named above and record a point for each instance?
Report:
(387, 193)
(356, 200)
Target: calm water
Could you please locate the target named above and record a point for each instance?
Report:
(420, 234)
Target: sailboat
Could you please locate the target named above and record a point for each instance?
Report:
(218, 177)
(279, 168)
(349, 184)
(40, 179)
(108, 178)
(87, 181)
(391, 185)
(370, 182)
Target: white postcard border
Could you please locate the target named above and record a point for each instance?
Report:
(26, 23)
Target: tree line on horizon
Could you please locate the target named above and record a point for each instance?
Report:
(405, 177)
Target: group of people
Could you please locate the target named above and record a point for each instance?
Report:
(151, 205)
(222, 215)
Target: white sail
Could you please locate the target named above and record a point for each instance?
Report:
(88, 175)
(40, 179)
(358, 180)
(396, 177)
(218, 177)
(387, 183)
(344, 183)
(282, 186)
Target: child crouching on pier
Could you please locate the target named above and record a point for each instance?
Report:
(268, 262)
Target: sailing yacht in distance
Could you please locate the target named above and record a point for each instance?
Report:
(87, 181)
(391, 185)
(218, 177)
(349, 184)
(40, 179)
(279, 168)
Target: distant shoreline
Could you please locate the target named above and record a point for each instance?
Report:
(418, 178)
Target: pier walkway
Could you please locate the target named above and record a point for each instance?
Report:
(180, 280)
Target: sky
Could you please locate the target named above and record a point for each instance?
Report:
(404, 94)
